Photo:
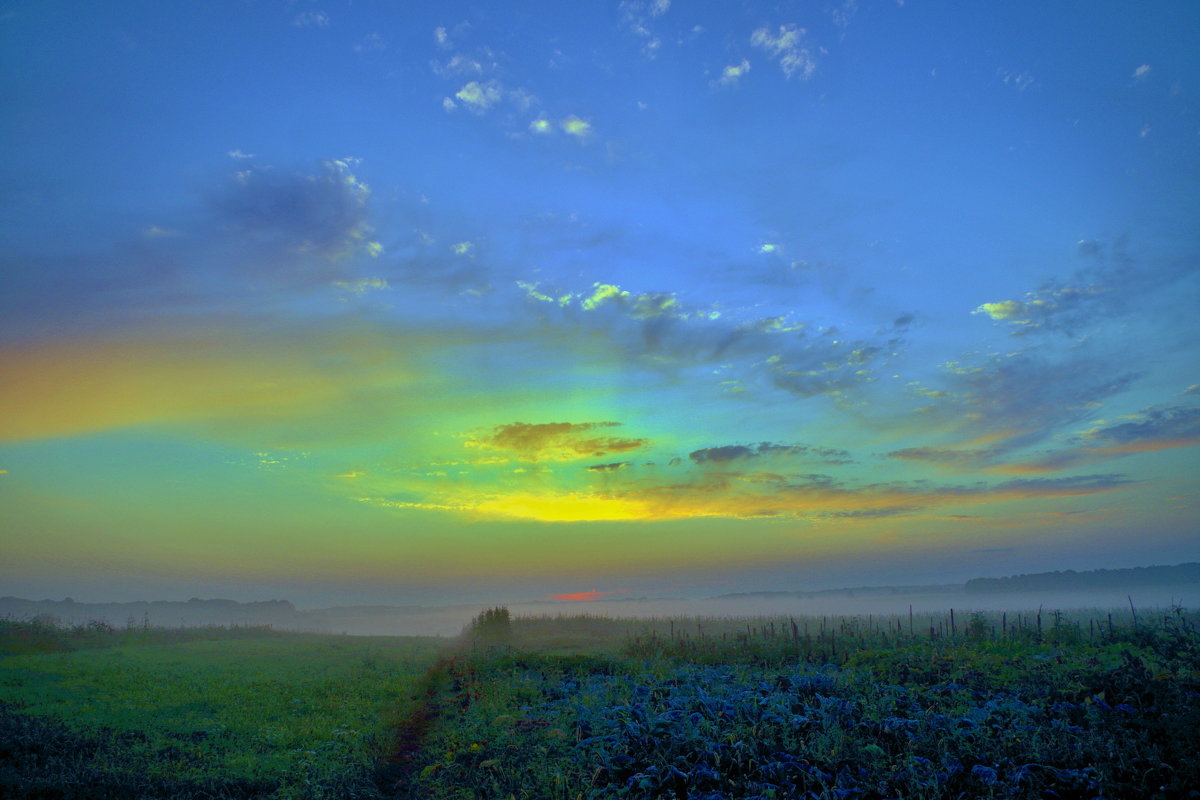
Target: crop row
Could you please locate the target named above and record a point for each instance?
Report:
(982, 719)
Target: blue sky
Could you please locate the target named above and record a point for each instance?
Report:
(456, 301)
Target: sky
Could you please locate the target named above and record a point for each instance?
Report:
(374, 302)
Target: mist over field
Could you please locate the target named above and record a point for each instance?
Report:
(450, 620)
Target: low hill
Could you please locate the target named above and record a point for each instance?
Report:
(1070, 580)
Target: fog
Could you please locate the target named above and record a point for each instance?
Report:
(448, 621)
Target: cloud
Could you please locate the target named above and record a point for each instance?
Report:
(1141, 72)
(554, 441)
(574, 126)
(739, 452)
(479, 97)
(637, 16)
(1015, 400)
(943, 456)
(1108, 286)
(654, 329)
(732, 74)
(155, 232)
(482, 92)
(1018, 80)
(458, 65)
(324, 213)
(843, 14)
(1005, 309)
(311, 19)
(613, 467)
(813, 498)
(362, 286)
(1150, 430)
(371, 43)
(787, 47)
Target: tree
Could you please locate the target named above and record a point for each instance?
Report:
(494, 626)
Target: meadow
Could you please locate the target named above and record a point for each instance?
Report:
(198, 713)
(1033, 705)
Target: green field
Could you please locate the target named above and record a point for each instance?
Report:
(1081, 706)
(240, 714)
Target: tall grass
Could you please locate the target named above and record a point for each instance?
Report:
(824, 639)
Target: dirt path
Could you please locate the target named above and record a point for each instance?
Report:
(397, 768)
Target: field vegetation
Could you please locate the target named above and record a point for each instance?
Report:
(1079, 705)
(1040, 705)
(95, 712)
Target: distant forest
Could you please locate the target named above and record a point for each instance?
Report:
(1090, 579)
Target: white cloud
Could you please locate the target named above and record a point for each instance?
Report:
(636, 16)
(1021, 81)
(844, 13)
(479, 97)
(787, 46)
(732, 74)
(577, 127)
(238, 154)
(457, 65)
(371, 43)
(311, 19)
(1141, 72)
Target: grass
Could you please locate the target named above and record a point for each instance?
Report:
(264, 715)
(721, 709)
(1079, 705)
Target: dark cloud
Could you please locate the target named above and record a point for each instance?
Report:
(554, 441)
(832, 455)
(1166, 425)
(655, 332)
(945, 456)
(1156, 428)
(295, 229)
(735, 452)
(1057, 487)
(1019, 399)
(872, 513)
(819, 496)
(613, 467)
(730, 452)
(325, 213)
(1110, 285)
